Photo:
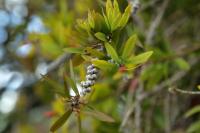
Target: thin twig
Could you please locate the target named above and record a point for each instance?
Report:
(182, 53)
(177, 76)
(174, 90)
(138, 109)
(130, 104)
(167, 114)
(127, 115)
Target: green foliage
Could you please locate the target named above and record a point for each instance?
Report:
(61, 121)
(71, 80)
(100, 36)
(193, 111)
(155, 72)
(104, 65)
(99, 115)
(56, 87)
(100, 26)
(139, 59)
(111, 51)
(111, 41)
(74, 50)
(194, 128)
(182, 64)
(129, 46)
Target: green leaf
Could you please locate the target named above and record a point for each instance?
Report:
(140, 59)
(109, 8)
(116, 6)
(77, 60)
(115, 23)
(83, 25)
(66, 90)
(194, 127)
(106, 21)
(198, 87)
(129, 46)
(86, 58)
(104, 65)
(71, 70)
(116, 16)
(192, 111)
(111, 51)
(125, 16)
(99, 115)
(61, 121)
(91, 20)
(72, 79)
(182, 64)
(73, 85)
(74, 50)
(94, 52)
(56, 87)
(100, 36)
(79, 123)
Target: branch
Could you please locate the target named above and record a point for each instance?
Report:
(156, 22)
(32, 79)
(138, 109)
(59, 61)
(174, 90)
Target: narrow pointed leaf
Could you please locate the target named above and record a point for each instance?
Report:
(66, 90)
(99, 115)
(71, 70)
(182, 64)
(115, 23)
(116, 6)
(111, 51)
(192, 111)
(79, 123)
(72, 79)
(61, 121)
(77, 60)
(56, 87)
(91, 20)
(194, 127)
(104, 65)
(129, 46)
(109, 7)
(73, 85)
(140, 59)
(74, 50)
(125, 16)
(94, 52)
(86, 58)
(101, 36)
(106, 21)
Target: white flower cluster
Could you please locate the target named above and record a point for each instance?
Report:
(91, 77)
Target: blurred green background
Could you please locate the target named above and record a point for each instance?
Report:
(33, 34)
